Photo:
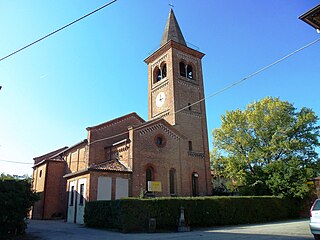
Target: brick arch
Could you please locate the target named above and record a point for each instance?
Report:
(162, 64)
(195, 183)
(156, 74)
(182, 68)
(164, 69)
(159, 72)
(152, 167)
(150, 172)
(193, 66)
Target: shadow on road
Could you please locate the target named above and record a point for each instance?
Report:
(54, 230)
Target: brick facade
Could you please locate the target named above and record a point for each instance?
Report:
(121, 156)
(51, 186)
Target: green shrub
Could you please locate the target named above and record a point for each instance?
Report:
(132, 215)
(16, 199)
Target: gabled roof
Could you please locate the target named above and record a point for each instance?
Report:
(111, 165)
(150, 126)
(172, 31)
(49, 155)
(113, 121)
(312, 17)
(55, 155)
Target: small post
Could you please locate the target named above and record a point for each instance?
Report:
(152, 225)
(182, 227)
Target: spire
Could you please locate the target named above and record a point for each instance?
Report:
(172, 31)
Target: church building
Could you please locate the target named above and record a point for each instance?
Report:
(167, 155)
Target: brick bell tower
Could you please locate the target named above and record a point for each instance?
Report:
(176, 93)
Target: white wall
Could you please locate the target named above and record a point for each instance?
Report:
(122, 188)
(71, 205)
(104, 188)
(81, 206)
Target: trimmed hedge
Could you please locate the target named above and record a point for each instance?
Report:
(132, 215)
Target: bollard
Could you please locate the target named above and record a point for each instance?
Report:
(182, 227)
(152, 225)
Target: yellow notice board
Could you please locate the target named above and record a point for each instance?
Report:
(154, 186)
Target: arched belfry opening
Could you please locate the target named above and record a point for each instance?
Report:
(175, 89)
(186, 70)
(189, 72)
(160, 73)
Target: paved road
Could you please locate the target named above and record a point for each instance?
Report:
(54, 230)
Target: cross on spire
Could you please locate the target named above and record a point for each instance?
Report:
(172, 31)
(171, 4)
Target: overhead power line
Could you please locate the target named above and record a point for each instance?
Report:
(58, 30)
(251, 75)
(1, 160)
(210, 96)
(220, 91)
(9, 161)
(181, 109)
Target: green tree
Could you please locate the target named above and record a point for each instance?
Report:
(16, 199)
(268, 148)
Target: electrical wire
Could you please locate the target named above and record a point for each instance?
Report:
(217, 92)
(46, 36)
(8, 161)
(1, 160)
(211, 95)
(58, 30)
(251, 75)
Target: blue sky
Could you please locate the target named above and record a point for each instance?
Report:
(94, 71)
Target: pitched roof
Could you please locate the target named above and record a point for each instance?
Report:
(49, 155)
(143, 128)
(172, 31)
(113, 121)
(111, 165)
(312, 17)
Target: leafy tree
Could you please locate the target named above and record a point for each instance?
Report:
(16, 199)
(268, 148)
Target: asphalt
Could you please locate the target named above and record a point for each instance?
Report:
(54, 230)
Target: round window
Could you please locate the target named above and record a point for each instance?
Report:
(160, 140)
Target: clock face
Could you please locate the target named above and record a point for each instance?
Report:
(160, 99)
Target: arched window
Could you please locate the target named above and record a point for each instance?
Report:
(156, 75)
(172, 176)
(195, 189)
(164, 70)
(186, 70)
(160, 140)
(149, 176)
(189, 72)
(160, 73)
(158, 78)
(182, 68)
